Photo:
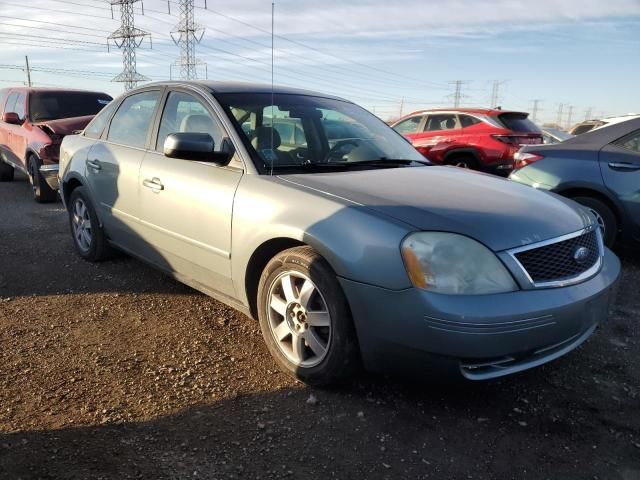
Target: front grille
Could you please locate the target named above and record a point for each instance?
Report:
(556, 261)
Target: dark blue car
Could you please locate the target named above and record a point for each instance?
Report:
(599, 169)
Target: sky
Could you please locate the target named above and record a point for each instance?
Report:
(390, 57)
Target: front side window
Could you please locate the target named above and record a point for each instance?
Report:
(408, 126)
(130, 125)
(55, 105)
(443, 121)
(98, 124)
(10, 107)
(327, 133)
(19, 108)
(184, 113)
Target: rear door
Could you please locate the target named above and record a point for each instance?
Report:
(620, 166)
(113, 165)
(186, 205)
(440, 133)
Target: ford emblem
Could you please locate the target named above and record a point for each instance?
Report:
(581, 255)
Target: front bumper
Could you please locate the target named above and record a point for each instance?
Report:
(50, 174)
(481, 336)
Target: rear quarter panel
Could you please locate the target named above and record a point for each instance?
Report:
(73, 158)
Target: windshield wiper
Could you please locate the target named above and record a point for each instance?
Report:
(384, 161)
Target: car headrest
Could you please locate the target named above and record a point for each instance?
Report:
(197, 123)
(262, 138)
(451, 123)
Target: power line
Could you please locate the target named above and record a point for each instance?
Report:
(495, 92)
(457, 93)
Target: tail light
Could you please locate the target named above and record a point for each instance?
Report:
(522, 159)
(519, 139)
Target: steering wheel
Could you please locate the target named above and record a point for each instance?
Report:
(338, 149)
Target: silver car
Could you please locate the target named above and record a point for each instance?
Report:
(348, 252)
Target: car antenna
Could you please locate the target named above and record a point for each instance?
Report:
(272, 153)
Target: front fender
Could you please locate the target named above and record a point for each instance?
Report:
(359, 244)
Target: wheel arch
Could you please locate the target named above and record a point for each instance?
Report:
(258, 261)
(461, 152)
(68, 186)
(587, 191)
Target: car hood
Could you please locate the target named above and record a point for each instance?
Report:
(64, 126)
(497, 212)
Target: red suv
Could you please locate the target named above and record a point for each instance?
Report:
(479, 138)
(33, 122)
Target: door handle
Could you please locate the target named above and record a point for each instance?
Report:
(154, 184)
(95, 164)
(629, 167)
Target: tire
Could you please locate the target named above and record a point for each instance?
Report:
(463, 161)
(605, 216)
(314, 316)
(42, 192)
(7, 172)
(89, 240)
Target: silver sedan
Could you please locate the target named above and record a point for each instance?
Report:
(310, 214)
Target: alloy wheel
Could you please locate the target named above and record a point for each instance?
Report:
(81, 222)
(299, 319)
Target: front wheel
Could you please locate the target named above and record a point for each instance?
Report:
(607, 220)
(88, 235)
(305, 319)
(42, 192)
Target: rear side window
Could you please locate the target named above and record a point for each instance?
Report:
(410, 125)
(97, 125)
(518, 122)
(130, 125)
(444, 121)
(630, 142)
(468, 120)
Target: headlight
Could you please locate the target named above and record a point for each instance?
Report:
(454, 264)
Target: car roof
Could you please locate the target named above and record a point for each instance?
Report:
(481, 111)
(52, 89)
(244, 87)
(597, 138)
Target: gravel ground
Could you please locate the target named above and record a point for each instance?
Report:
(114, 371)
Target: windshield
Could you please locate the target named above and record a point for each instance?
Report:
(56, 105)
(306, 132)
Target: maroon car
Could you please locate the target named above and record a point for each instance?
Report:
(33, 122)
(478, 138)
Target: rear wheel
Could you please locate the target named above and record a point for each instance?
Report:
(305, 319)
(88, 235)
(605, 217)
(6, 172)
(463, 161)
(42, 192)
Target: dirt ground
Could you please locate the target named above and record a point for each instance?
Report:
(114, 371)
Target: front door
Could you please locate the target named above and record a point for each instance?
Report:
(186, 205)
(620, 166)
(113, 165)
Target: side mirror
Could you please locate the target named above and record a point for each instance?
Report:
(12, 118)
(194, 146)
